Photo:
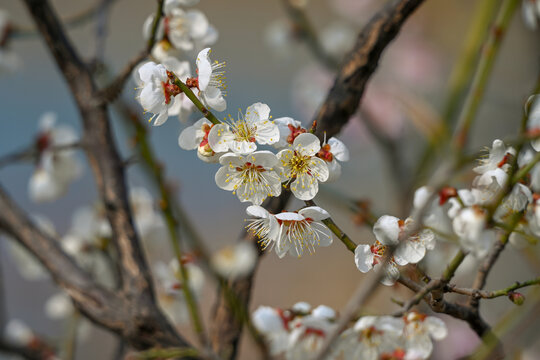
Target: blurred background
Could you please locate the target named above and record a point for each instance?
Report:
(267, 63)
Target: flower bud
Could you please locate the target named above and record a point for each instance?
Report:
(516, 298)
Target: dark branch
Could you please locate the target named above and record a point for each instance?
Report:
(343, 99)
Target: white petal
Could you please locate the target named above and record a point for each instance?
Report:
(314, 212)
(387, 229)
(307, 144)
(305, 187)
(363, 258)
(218, 137)
(338, 149)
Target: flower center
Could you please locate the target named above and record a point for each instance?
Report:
(295, 131)
(298, 164)
(243, 131)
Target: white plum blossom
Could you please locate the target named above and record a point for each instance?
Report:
(169, 289)
(252, 177)
(302, 168)
(59, 306)
(411, 250)
(370, 337)
(180, 29)
(158, 94)
(368, 257)
(418, 332)
(470, 225)
(18, 333)
(243, 135)
(533, 118)
(302, 231)
(531, 13)
(274, 325)
(211, 81)
(233, 262)
(196, 137)
(436, 215)
(498, 158)
(290, 232)
(56, 168)
(289, 129)
(266, 227)
(331, 152)
(307, 337)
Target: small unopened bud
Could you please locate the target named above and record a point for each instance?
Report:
(516, 298)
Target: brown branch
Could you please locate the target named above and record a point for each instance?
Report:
(37, 350)
(131, 312)
(343, 99)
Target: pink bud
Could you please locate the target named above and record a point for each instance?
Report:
(516, 298)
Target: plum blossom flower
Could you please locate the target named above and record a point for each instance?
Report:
(418, 332)
(158, 94)
(533, 118)
(307, 337)
(211, 81)
(252, 177)
(196, 137)
(18, 333)
(291, 232)
(266, 227)
(367, 257)
(498, 158)
(236, 261)
(370, 337)
(274, 325)
(241, 136)
(169, 289)
(302, 168)
(289, 129)
(388, 229)
(302, 231)
(180, 29)
(331, 152)
(56, 169)
(531, 13)
(470, 225)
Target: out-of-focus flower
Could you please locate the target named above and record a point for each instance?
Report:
(470, 225)
(59, 306)
(252, 177)
(337, 39)
(9, 61)
(169, 289)
(18, 333)
(498, 157)
(301, 168)
(241, 136)
(181, 29)
(236, 261)
(419, 330)
(56, 168)
(531, 13)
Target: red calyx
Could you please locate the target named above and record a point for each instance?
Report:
(325, 153)
(295, 131)
(446, 193)
(43, 141)
(170, 90)
(192, 82)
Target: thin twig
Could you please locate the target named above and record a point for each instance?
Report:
(476, 293)
(482, 73)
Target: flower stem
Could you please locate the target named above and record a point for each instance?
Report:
(482, 73)
(155, 25)
(340, 234)
(452, 267)
(195, 100)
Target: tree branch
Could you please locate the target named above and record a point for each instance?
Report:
(343, 99)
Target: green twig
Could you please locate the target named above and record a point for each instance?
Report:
(168, 353)
(482, 73)
(493, 294)
(195, 100)
(155, 25)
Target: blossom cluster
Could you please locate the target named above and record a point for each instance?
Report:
(300, 332)
(249, 172)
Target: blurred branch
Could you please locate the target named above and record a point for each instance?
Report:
(37, 350)
(482, 73)
(72, 21)
(31, 153)
(308, 32)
